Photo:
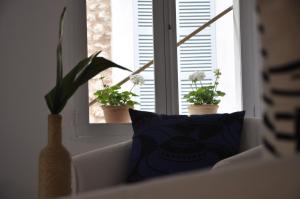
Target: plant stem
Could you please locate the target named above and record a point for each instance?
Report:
(215, 83)
(201, 84)
(195, 82)
(102, 82)
(132, 87)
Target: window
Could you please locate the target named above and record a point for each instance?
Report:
(209, 49)
(123, 29)
(199, 52)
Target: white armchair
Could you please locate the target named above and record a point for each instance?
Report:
(276, 179)
(101, 168)
(108, 166)
(244, 175)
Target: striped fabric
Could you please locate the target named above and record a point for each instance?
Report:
(279, 26)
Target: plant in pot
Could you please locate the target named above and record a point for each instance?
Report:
(204, 99)
(115, 102)
(54, 159)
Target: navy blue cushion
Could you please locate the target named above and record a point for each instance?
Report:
(167, 144)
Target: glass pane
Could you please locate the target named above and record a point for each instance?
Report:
(122, 29)
(211, 48)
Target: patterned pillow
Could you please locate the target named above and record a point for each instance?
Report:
(167, 144)
(280, 51)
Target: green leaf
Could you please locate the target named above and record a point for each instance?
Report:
(80, 74)
(220, 93)
(114, 97)
(65, 87)
(59, 70)
(55, 97)
(98, 64)
(53, 101)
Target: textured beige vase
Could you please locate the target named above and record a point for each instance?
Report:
(202, 109)
(54, 163)
(116, 114)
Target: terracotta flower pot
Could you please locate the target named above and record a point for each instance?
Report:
(54, 163)
(202, 109)
(116, 114)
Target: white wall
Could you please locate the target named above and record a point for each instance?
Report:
(28, 38)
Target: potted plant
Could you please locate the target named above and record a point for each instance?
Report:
(115, 103)
(54, 159)
(203, 99)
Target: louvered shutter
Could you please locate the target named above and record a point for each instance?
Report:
(198, 53)
(144, 53)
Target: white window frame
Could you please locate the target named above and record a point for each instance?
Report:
(250, 58)
(166, 90)
(165, 56)
(166, 77)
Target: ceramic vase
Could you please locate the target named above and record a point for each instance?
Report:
(202, 109)
(116, 114)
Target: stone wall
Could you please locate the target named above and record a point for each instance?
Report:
(99, 38)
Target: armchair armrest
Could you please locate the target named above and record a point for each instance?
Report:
(101, 168)
(274, 179)
(254, 154)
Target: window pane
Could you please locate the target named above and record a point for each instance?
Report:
(211, 48)
(122, 30)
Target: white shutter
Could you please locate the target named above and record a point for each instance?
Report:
(198, 53)
(144, 52)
